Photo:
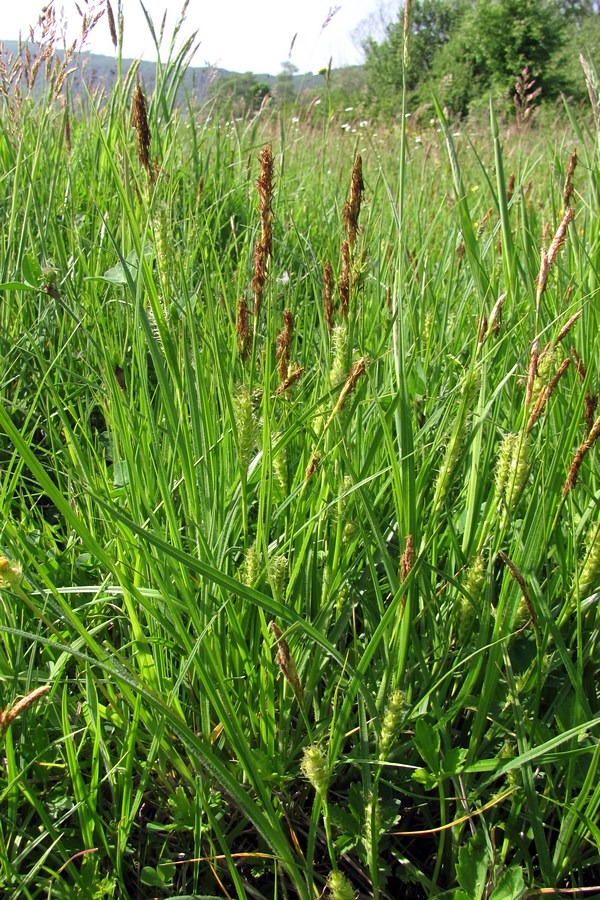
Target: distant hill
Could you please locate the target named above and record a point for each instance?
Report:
(96, 71)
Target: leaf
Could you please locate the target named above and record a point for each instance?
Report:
(454, 760)
(32, 271)
(120, 473)
(152, 877)
(510, 885)
(471, 869)
(424, 777)
(117, 274)
(427, 742)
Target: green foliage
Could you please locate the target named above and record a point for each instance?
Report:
(463, 51)
(238, 95)
(330, 633)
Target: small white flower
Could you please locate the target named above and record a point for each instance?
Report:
(349, 109)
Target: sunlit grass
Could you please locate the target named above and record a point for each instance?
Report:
(345, 626)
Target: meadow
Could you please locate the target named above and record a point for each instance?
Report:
(300, 499)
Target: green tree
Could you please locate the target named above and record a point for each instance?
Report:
(284, 83)
(463, 50)
(513, 34)
(238, 94)
(432, 23)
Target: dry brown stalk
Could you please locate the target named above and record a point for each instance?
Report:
(312, 466)
(328, 294)
(344, 281)
(264, 245)
(567, 326)
(139, 121)
(244, 336)
(510, 188)
(483, 326)
(292, 378)
(284, 342)
(568, 189)
(518, 577)
(265, 193)
(67, 130)
(495, 320)
(591, 400)
(111, 24)
(351, 209)
(357, 370)
(548, 257)
(583, 449)
(546, 393)
(259, 279)
(408, 558)
(285, 661)
(532, 373)
(8, 715)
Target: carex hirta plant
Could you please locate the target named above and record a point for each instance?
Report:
(299, 450)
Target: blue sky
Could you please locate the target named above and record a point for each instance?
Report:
(241, 35)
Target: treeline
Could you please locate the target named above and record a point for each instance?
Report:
(464, 49)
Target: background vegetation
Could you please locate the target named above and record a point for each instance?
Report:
(300, 500)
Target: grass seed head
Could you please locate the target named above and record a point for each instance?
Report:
(242, 328)
(339, 887)
(512, 467)
(588, 578)
(339, 346)
(246, 426)
(10, 572)
(582, 451)
(8, 715)
(111, 24)
(315, 770)
(283, 343)
(392, 719)
(285, 661)
(568, 188)
(250, 569)
(352, 206)
(139, 121)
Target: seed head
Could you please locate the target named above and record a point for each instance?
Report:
(314, 768)
(589, 573)
(352, 206)
(339, 887)
(392, 718)
(111, 24)
(10, 572)
(139, 121)
(8, 715)
(242, 328)
(285, 661)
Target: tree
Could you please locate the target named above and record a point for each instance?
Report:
(514, 34)
(461, 49)
(284, 83)
(431, 24)
(239, 94)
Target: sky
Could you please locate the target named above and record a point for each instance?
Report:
(239, 35)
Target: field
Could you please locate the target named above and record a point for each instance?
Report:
(300, 502)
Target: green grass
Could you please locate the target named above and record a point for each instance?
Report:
(155, 492)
